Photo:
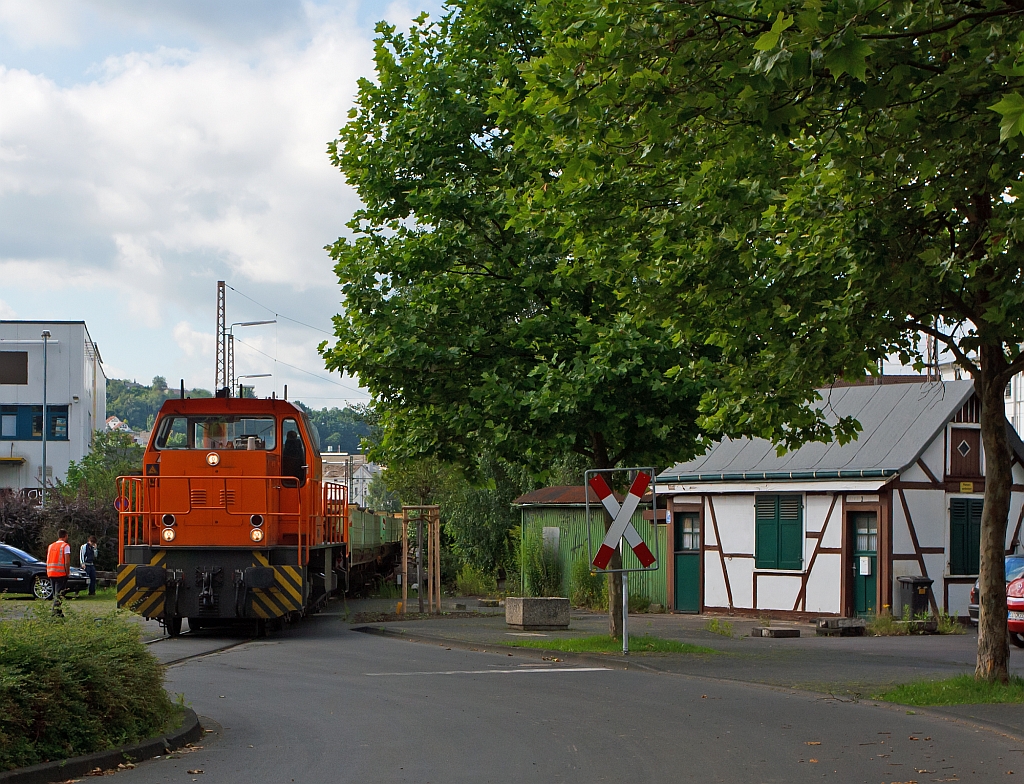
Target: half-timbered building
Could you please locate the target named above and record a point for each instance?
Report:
(827, 529)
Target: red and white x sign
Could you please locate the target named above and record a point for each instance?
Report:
(621, 526)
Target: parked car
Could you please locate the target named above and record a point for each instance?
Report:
(1015, 611)
(1014, 571)
(23, 573)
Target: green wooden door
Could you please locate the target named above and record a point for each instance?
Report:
(865, 562)
(687, 562)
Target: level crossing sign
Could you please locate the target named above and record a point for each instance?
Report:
(622, 526)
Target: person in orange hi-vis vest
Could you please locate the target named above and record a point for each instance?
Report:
(58, 567)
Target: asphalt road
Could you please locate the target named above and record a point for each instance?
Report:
(321, 703)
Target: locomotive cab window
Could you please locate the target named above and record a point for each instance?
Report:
(217, 432)
(293, 451)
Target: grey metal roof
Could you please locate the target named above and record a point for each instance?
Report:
(898, 421)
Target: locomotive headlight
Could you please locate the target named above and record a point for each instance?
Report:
(212, 459)
(256, 535)
(168, 534)
(256, 520)
(168, 520)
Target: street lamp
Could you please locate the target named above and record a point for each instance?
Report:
(42, 497)
(231, 347)
(252, 375)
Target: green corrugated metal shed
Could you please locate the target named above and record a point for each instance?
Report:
(564, 508)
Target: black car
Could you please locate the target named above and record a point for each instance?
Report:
(1014, 569)
(22, 573)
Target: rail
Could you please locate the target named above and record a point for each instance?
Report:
(326, 524)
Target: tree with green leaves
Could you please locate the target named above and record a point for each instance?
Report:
(806, 186)
(113, 453)
(470, 334)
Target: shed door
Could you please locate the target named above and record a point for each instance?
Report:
(864, 527)
(687, 563)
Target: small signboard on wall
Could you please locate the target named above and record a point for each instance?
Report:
(864, 566)
(967, 487)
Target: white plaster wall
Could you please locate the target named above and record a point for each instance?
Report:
(824, 586)
(715, 594)
(907, 569)
(741, 579)
(735, 516)
(815, 510)
(1016, 501)
(934, 456)
(834, 532)
(915, 474)
(777, 592)
(902, 544)
(709, 528)
(959, 598)
(930, 514)
(937, 567)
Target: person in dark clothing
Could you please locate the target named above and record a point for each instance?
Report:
(87, 558)
(293, 457)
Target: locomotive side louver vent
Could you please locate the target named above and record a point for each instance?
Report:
(198, 497)
(227, 497)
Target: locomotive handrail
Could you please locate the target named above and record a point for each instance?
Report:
(130, 505)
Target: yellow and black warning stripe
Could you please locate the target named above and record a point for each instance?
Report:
(147, 602)
(285, 596)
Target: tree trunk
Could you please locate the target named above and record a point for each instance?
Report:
(993, 640)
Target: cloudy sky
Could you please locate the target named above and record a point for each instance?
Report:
(151, 148)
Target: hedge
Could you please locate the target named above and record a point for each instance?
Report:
(75, 685)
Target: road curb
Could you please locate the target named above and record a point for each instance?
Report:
(61, 770)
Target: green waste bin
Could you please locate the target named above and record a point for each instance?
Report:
(913, 593)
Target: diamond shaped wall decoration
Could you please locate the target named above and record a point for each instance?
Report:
(963, 448)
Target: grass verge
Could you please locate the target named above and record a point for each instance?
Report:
(604, 644)
(959, 690)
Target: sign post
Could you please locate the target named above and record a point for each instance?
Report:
(621, 529)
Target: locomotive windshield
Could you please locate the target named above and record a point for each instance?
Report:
(216, 432)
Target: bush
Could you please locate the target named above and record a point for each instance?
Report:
(30, 528)
(75, 685)
(473, 582)
(586, 588)
(542, 567)
(639, 604)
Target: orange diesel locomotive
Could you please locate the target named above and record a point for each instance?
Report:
(231, 518)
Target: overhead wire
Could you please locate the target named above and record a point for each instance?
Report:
(308, 372)
(278, 315)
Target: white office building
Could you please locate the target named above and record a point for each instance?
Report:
(76, 395)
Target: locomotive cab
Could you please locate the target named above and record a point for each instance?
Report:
(231, 518)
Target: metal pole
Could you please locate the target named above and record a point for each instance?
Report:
(625, 612)
(42, 497)
(419, 559)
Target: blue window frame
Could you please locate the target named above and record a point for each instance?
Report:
(25, 423)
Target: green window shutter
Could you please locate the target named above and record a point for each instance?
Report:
(766, 532)
(958, 536)
(974, 509)
(791, 532)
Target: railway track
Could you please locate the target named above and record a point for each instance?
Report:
(180, 660)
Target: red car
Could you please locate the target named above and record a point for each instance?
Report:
(1015, 611)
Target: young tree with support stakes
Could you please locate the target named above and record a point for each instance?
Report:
(806, 186)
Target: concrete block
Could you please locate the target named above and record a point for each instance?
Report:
(773, 631)
(488, 602)
(529, 613)
(841, 627)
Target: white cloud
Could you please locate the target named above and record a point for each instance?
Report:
(193, 342)
(6, 311)
(126, 197)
